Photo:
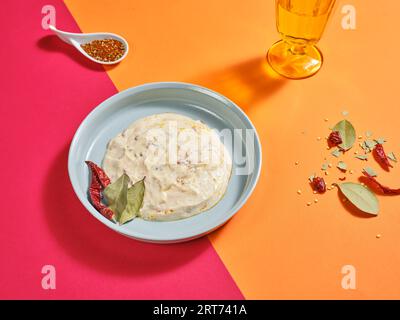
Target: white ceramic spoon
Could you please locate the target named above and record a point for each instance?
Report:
(76, 39)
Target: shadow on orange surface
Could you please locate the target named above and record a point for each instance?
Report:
(92, 243)
(52, 43)
(245, 83)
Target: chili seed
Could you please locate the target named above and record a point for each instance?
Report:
(106, 50)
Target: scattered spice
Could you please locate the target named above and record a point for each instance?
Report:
(342, 166)
(106, 50)
(336, 153)
(318, 184)
(362, 157)
(334, 139)
(380, 140)
(342, 137)
(378, 236)
(381, 157)
(370, 172)
(392, 157)
(298, 191)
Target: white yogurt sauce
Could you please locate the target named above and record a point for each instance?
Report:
(187, 167)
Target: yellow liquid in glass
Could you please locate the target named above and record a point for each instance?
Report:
(301, 24)
(302, 20)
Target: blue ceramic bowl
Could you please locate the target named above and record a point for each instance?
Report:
(119, 111)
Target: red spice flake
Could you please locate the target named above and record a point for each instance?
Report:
(318, 184)
(106, 50)
(381, 157)
(98, 183)
(334, 139)
(384, 189)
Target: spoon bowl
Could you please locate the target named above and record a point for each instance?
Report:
(77, 39)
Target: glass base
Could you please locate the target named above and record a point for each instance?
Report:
(294, 61)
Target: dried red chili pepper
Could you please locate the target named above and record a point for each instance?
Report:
(98, 182)
(100, 174)
(318, 184)
(384, 189)
(381, 156)
(334, 139)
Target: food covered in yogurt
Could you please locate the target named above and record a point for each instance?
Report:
(185, 165)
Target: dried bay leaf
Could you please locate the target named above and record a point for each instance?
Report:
(116, 195)
(360, 196)
(347, 133)
(135, 196)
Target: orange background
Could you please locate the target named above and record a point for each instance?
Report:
(276, 246)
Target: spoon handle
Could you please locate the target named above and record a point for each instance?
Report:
(64, 36)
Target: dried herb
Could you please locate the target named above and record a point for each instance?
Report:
(364, 146)
(370, 172)
(318, 184)
(347, 134)
(124, 201)
(336, 153)
(360, 196)
(334, 139)
(115, 194)
(134, 202)
(384, 189)
(392, 156)
(324, 166)
(370, 144)
(381, 157)
(380, 140)
(362, 157)
(342, 165)
(99, 181)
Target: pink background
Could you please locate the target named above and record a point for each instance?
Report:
(47, 88)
